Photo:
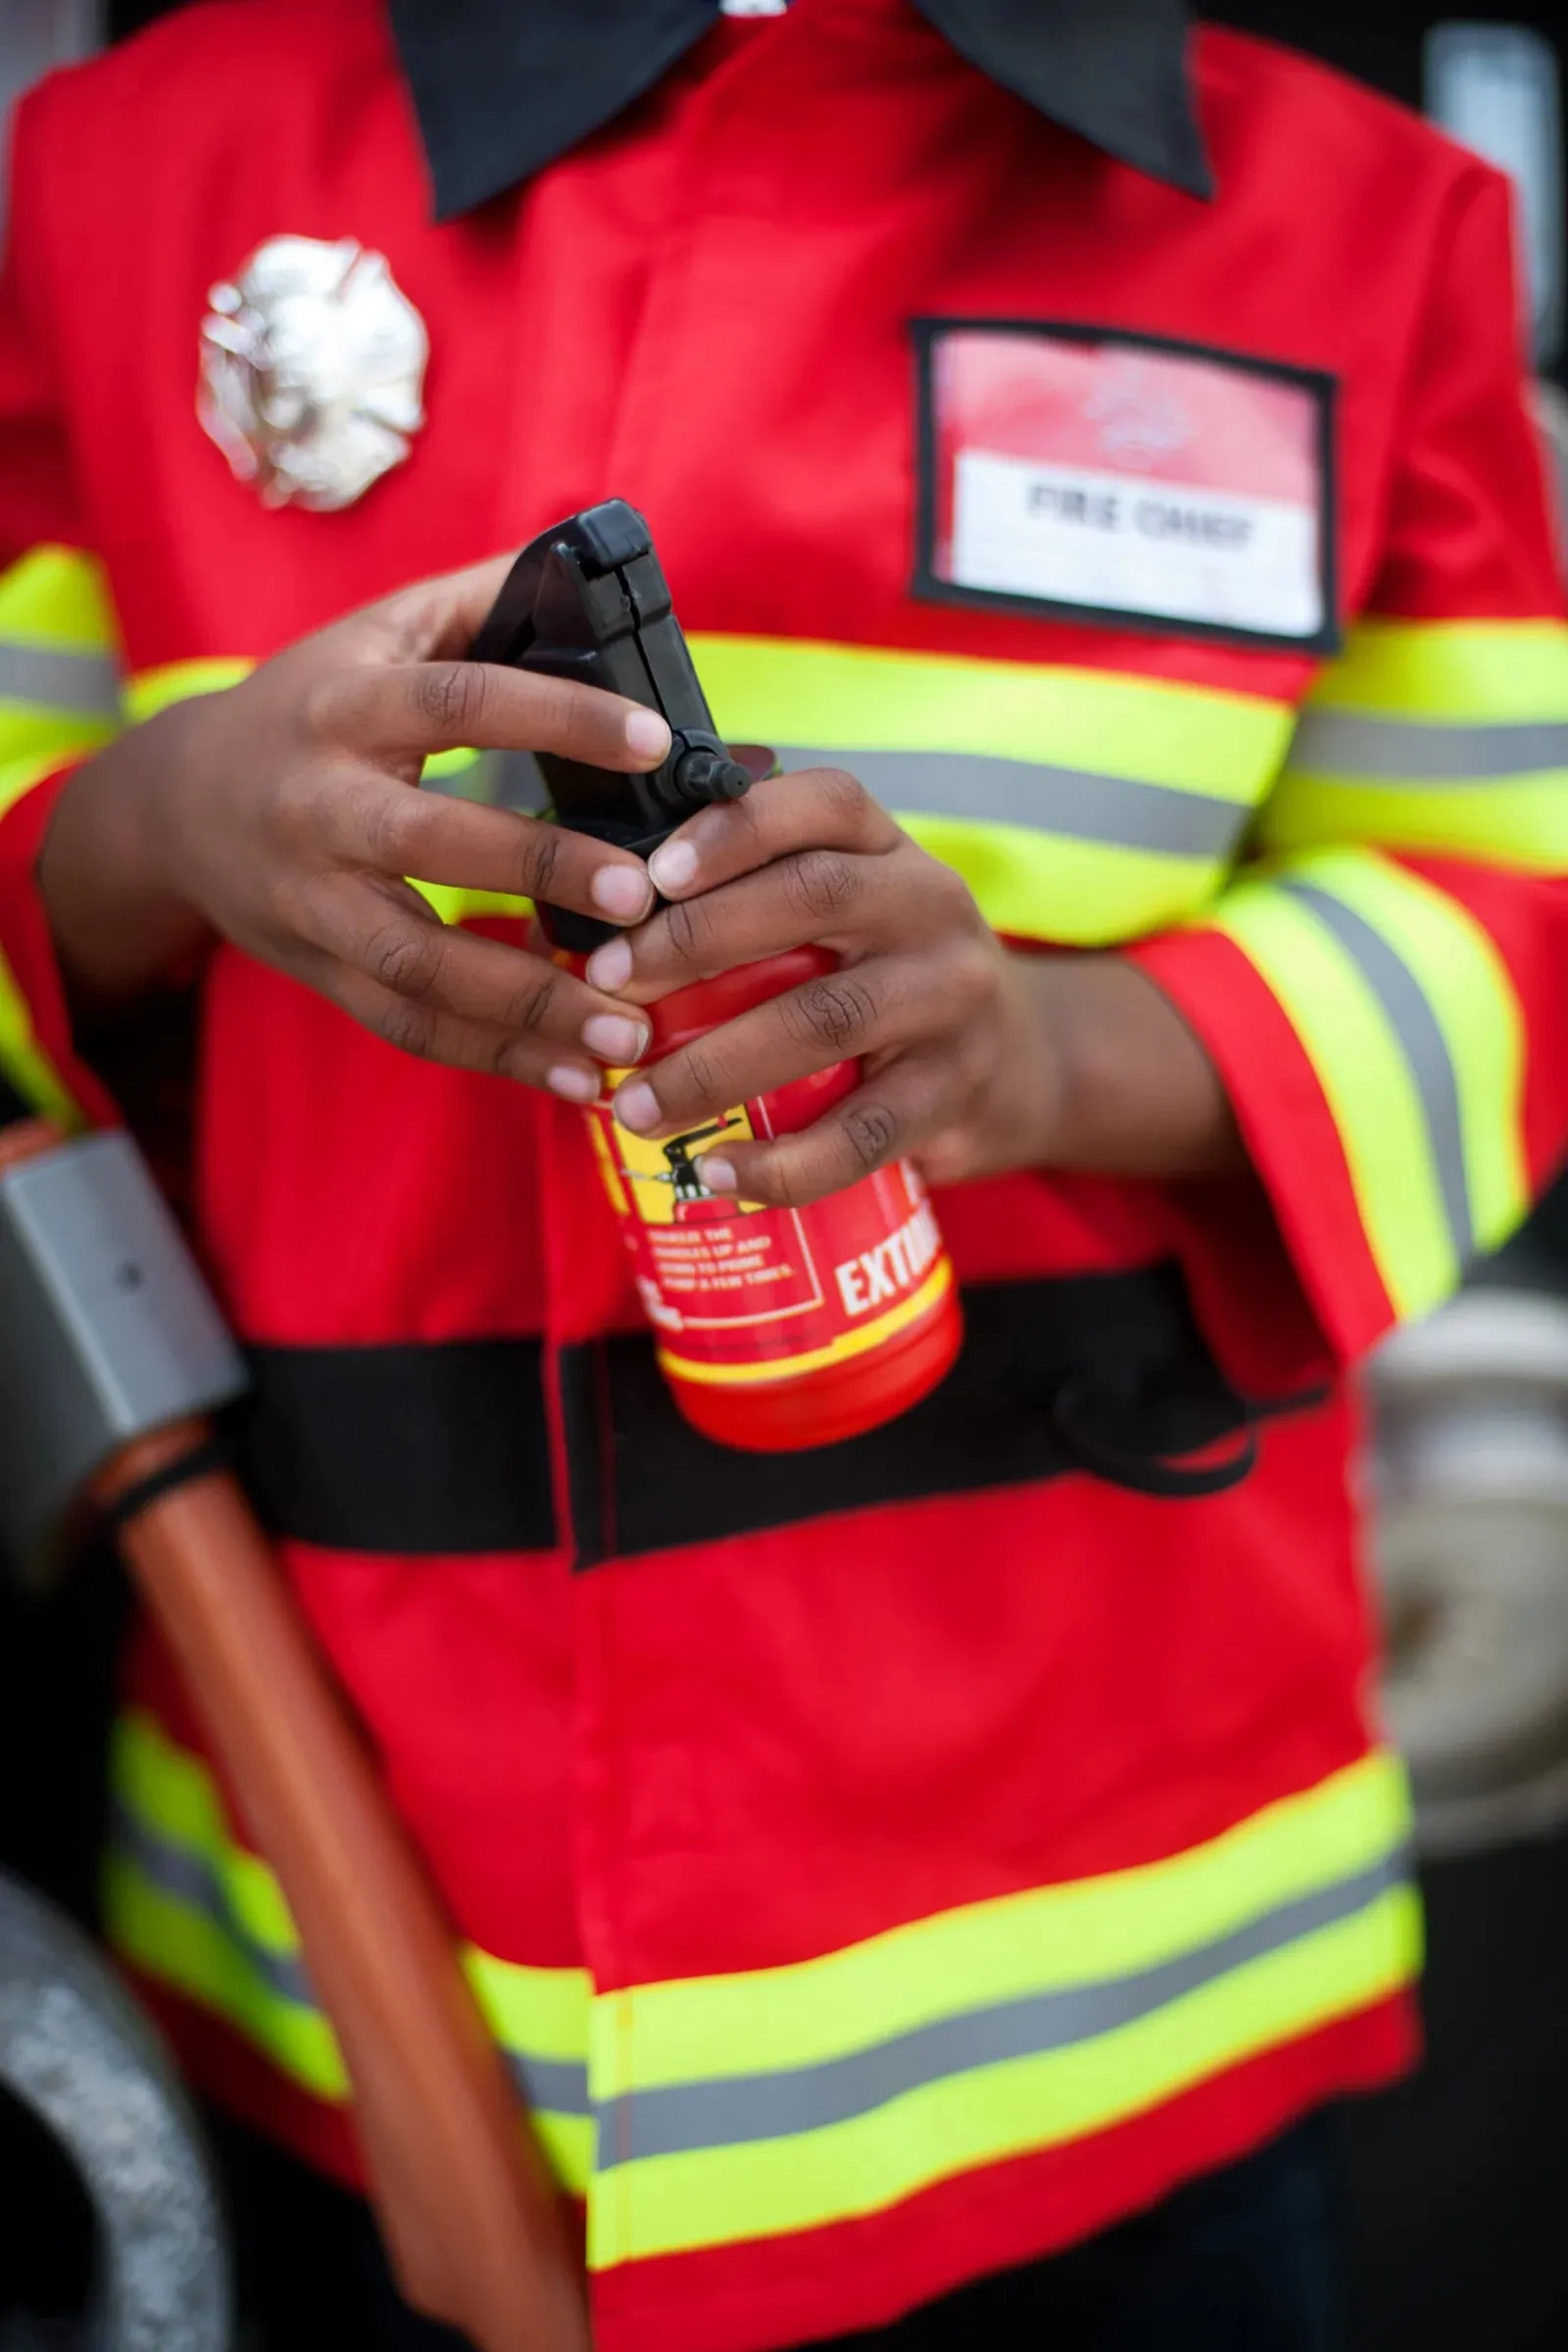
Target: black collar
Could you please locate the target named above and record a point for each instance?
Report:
(502, 87)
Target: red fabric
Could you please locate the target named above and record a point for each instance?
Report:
(740, 1755)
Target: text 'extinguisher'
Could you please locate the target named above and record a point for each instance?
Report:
(776, 1328)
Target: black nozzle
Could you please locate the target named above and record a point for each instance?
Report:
(589, 601)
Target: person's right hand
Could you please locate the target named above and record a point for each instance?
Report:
(284, 815)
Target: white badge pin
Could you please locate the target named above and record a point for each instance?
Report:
(312, 367)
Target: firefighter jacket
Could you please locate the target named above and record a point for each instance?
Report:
(891, 1863)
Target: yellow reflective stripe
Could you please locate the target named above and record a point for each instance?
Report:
(451, 764)
(1372, 1099)
(1444, 737)
(25, 1063)
(153, 690)
(185, 1947)
(1522, 824)
(1080, 805)
(778, 689)
(958, 2123)
(172, 1792)
(455, 904)
(192, 1907)
(1012, 1945)
(749, 2106)
(541, 2010)
(57, 598)
(1460, 669)
(1408, 1018)
(1031, 885)
(1468, 992)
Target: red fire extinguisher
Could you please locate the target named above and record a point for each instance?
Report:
(776, 1329)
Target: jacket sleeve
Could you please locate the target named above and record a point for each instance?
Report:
(1383, 985)
(59, 670)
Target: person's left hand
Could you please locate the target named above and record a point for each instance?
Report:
(956, 1070)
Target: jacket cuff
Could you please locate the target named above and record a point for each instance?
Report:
(38, 1056)
(1291, 1139)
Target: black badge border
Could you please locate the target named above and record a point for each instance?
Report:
(928, 586)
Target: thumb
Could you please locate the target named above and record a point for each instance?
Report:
(437, 621)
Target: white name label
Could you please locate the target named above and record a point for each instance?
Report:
(1076, 535)
(1095, 474)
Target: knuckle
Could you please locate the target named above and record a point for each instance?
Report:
(405, 958)
(538, 857)
(531, 999)
(835, 1011)
(558, 712)
(297, 805)
(451, 696)
(971, 975)
(872, 1130)
(695, 1076)
(321, 706)
(951, 896)
(822, 882)
(689, 930)
(846, 795)
(410, 1026)
(391, 822)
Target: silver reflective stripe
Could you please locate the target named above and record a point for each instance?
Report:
(1421, 1040)
(1076, 802)
(738, 2109)
(499, 779)
(88, 684)
(560, 2085)
(191, 1879)
(1362, 749)
(550, 2086)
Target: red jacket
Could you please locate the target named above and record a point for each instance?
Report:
(897, 1864)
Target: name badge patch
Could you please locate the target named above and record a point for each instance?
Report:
(1111, 477)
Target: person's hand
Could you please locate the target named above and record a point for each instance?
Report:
(973, 1060)
(283, 815)
(957, 1069)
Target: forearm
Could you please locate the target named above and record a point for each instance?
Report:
(119, 925)
(1119, 1084)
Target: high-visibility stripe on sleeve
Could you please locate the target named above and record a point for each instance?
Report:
(1439, 736)
(1410, 1019)
(25, 1065)
(153, 690)
(59, 660)
(1080, 805)
(59, 698)
(193, 1909)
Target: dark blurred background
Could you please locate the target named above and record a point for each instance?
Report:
(1458, 2183)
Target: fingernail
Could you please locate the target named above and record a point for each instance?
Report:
(572, 1084)
(613, 1039)
(621, 890)
(647, 734)
(715, 1173)
(637, 1107)
(610, 966)
(672, 866)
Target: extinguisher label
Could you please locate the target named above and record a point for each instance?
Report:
(739, 1292)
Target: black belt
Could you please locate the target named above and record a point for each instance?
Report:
(442, 1447)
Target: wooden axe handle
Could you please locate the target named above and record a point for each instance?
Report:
(473, 2223)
